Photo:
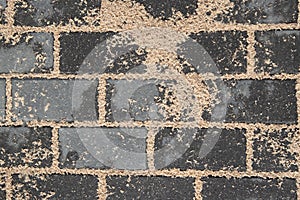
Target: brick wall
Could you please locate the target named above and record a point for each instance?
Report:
(255, 46)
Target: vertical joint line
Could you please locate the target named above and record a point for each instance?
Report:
(8, 185)
(8, 106)
(150, 147)
(101, 191)
(249, 149)
(298, 188)
(251, 52)
(298, 16)
(10, 12)
(56, 52)
(55, 148)
(198, 188)
(101, 99)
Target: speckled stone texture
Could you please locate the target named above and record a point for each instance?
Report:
(149, 99)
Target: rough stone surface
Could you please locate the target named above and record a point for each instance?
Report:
(275, 150)
(2, 99)
(2, 10)
(101, 148)
(54, 100)
(54, 186)
(2, 186)
(142, 187)
(49, 12)
(191, 148)
(278, 51)
(31, 52)
(22, 146)
(263, 101)
(226, 48)
(248, 188)
(148, 100)
(87, 53)
(166, 9)
(261, 11)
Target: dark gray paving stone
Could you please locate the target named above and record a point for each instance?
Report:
(49, 12)
(3, 5)
(102, 148)
(32, 52)
(88, 53)
(148, 100)
(54, 100)
(226, 48)
(273, 150)
(2, 186)
(261, 11)
(142, 187)
(2, 99)
(166, 9)
(54, 186)
(277, 51)
(22, 146)
(73, 153)
(211, 149)
(248, 188)
(261, 101)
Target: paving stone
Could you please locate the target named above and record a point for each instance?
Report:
(30, 52)
(191, 148)
(260, 101)
(22, 146)
(55, 12)
(54, 186)
(2, 99)
(88, 53)
(248, 188)
(152, 187)
(226, 48)
(261, 11)
(2, 186)
(149, 100)
(54, 100)
(166, 9)
(277, 51)
(3, 5)
(274, 150)
(102, 148)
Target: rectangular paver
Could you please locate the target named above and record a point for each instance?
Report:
(210, 149)
(101, 148)
(2, 186)
(54, 186)
(22, 146)
(258, 11)
(275, 150)
(261, 101)
(49, 12)
(90, 53)
(2, 99)
(153, 187)
(149, 100)
(28, 52)
(248, 188)
(54, 100)
(3, 5)
(226, 48)
(278, 51)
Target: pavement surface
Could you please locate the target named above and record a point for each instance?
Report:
(149, 99)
